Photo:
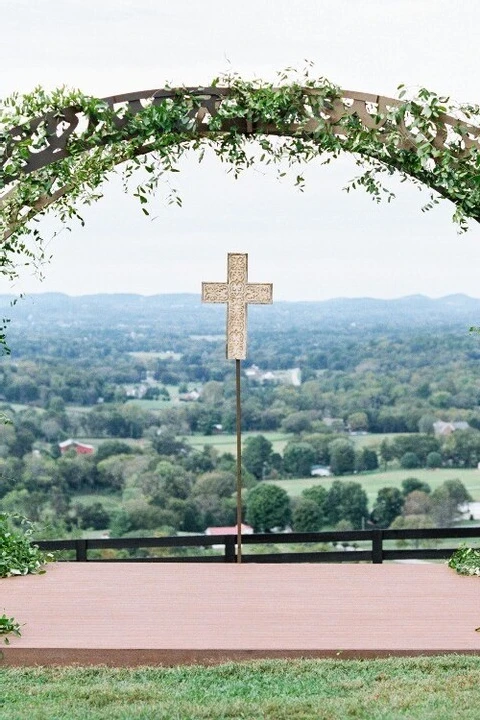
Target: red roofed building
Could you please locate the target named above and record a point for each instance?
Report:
(80, 448)
(246, 530)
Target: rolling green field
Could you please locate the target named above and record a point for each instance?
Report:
(428, 688)
(110, 502)
(222, 443)
(151, 405)
(373, 440)
(160, 404)
(96, 442)
(228, 443)
(372, 482)
(148, 356)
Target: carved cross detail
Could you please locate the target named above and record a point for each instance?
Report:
(238, 293)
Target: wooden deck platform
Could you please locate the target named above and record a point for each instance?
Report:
(152, 613)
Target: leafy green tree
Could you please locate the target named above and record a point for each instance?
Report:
(201, 462)
(22, 442)
(346, 500)
(10, 471)
(212, 510)
(28, 504)
(342, 457)
(387, 507)
(434, 460)
(112, 447)
(256, 455)
(113, 472)
(409, 461)
(462, 448)
(52, 430)
(417, 503)
(168, 480)
(141, 515)
(425, 424)
(445, 501)
(166, 443)
(413, 522)
(418, 444)
(320, 443)
(410, 484)
(77, 472)
(386, 452)
(457, 491)
(267, 507)
(207, 419)
(298, 422)
(441, 399)
(366, 460)
(38, 473)
(92, 517)
(298, 459)
(358, 422)
(221, 484)
(307, 516)
(120, 523)
(318, 494)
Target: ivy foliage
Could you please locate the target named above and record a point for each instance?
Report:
(424, 138)
(18, 555)
(465, 560)
(9, 626)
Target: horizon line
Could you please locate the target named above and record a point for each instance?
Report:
(27, 295)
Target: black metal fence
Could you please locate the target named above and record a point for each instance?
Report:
(374, 546)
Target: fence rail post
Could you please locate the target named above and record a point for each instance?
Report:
(81, 550)
(230, 549)
(377, 547)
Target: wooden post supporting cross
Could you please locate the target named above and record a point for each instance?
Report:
(237, 293)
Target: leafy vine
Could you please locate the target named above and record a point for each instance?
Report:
(425, 139)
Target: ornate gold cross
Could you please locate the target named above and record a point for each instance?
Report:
(238, 293)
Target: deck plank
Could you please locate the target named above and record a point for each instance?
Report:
(130, 614)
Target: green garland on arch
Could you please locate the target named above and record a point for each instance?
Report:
(288, 123)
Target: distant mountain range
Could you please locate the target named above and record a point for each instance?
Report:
(185, 312)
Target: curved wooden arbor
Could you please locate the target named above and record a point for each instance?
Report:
(395, 140)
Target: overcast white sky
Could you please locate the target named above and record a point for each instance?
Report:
(319, 244)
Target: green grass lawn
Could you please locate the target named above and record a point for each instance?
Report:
(372, 482)
(151, 405)
(373, 440)
(227, 442)
(96, 442)
(161, 404)
(433, 688)
(146, 356)
(110, 502)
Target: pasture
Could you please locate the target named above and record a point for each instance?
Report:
(372, 482)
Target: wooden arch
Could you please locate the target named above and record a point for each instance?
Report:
(71, 132)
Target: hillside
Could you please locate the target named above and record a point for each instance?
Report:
(186, 312)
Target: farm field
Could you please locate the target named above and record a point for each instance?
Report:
(373, 440)
(222, 443)
(160, 404)
(152, 405)
(110, 501)
(96, 441)
(372, 482)
(228, 443)
(147, 356)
